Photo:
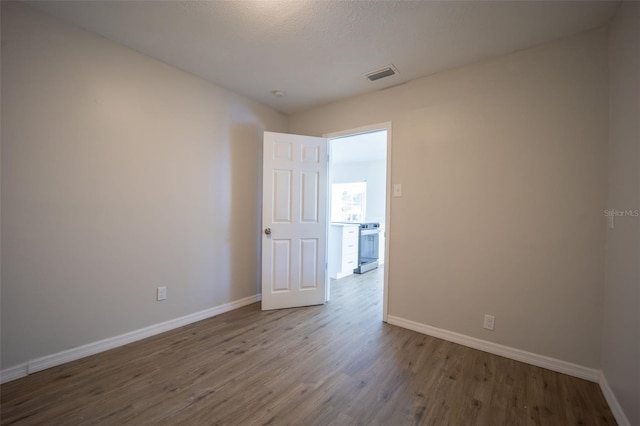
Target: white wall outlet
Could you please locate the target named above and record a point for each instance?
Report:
(397, 190)
(161, 293)
(489, 321)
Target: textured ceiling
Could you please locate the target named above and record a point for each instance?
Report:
(318, 51)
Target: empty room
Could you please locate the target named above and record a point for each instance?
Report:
(320, 213)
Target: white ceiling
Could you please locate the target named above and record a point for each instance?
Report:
(318, 51)
(362, 147)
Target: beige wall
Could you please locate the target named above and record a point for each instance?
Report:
(621, 333)
(119, 174)
(503, 167)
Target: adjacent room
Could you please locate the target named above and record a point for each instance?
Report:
(320, 212)
(358, 203)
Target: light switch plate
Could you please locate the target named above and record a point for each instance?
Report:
(397, 190)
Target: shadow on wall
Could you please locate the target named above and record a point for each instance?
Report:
(246, 202)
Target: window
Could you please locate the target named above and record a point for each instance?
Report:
(348, 202)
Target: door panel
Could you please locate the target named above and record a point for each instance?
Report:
(310, 197)
(309, 263)
(282, 187)
(281, 265)
(294, 221)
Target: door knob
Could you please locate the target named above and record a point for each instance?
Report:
(267, 231)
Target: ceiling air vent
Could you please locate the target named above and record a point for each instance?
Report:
(382, 73)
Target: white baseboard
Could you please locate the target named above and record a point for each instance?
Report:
(73, 354)
(12, 373)
(549, 363)
(501, 350)
(22, 370)
(614, 405)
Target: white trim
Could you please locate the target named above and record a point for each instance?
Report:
(22, 370)
(549, 363)
(387, 220)
(73, 354)
(614, 405)
(387, 230)
(13, 373)
(358, 130)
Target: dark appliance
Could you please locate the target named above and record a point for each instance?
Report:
(368, 247)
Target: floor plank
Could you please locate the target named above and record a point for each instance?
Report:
(337, 364)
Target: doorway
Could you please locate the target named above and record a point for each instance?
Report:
(358, 199)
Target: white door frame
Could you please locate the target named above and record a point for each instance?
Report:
(387, 220)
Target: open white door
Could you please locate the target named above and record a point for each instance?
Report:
(294, 220)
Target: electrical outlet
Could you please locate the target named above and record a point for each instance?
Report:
(489, 321)
(161, 293)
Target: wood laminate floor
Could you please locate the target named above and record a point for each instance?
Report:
(336, 364)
